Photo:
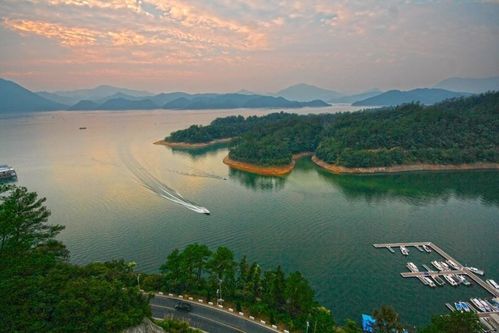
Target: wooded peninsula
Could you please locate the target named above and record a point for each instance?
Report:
(459, 133)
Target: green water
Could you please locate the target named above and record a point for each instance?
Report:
(320, 224)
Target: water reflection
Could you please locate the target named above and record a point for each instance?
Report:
(419, 188)
(256, 182)
(198, 153)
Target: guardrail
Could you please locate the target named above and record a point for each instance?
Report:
(220, 307)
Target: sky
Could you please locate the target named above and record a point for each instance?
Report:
(259, 45)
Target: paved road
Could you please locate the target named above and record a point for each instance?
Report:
(206, 318)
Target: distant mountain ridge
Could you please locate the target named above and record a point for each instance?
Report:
(15, 98)
(98, 93)
(305, 92)
(425, 96)
(470, 85)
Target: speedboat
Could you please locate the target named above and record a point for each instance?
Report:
(478, 304)
(450, 280)
(438, 280)
(458, 306)
(445, 267)
(462, 280)
(492, 283)
(412, 267)
(465, 306)
(426, 248)
(420, 249)
(453, 264)
(437, 265)
(485, 305)
(476, 270)
(429, 282)
(404, 250)
(7, 172)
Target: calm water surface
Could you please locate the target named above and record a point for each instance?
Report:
(320, 224)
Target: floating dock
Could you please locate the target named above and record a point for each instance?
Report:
(443, 254)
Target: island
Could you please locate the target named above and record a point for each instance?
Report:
(456, 134)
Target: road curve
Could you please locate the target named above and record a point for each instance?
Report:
(206, 317)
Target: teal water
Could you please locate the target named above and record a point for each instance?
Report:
(320, 224)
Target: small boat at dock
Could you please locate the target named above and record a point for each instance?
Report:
(492, 283)
(450, 307)
(450, 280)
(404, 251)
(390, 249)
(420, 249)
(475, 270)
(412, 267)
(445, 267)
(429, 282)
(426, 248)
(453, 264)
(478, 304)
(437, 265)
(438, 280)
(462, 280)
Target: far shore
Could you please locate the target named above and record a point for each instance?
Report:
(337, 169)
(265, 170)
(186, 145)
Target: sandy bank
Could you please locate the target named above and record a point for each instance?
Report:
(265, 170)
(187, 145)
(405, 168)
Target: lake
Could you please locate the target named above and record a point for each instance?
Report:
(97, 184)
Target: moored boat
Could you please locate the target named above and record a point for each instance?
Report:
(438, 280)
(437, 265)
(412, 267)
(390, 249)
(420, 249)
(476, 270)
(426, 248)
(404, 250)
(463, 280)
(445, 267)
(492, 283)
(7, 172)
(453, 264)
(478, 304)
(429, 282)
(450, 280)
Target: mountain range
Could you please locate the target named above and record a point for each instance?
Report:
(425, 96)
(15, 98)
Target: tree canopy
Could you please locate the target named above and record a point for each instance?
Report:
(462, 130)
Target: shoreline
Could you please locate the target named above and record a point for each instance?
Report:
(265, 170)
(336, 169)
(186, 145)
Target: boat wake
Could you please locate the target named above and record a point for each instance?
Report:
(153, 184)
(198, 173)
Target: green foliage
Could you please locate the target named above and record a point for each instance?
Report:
(455, 322)
(272, 294)
(456, 131)
(41, 292)
(172, 325)
(387, 320)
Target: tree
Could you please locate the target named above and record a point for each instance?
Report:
(23, 221)
(455, 322)
(321, 320)
(222, 267)
(351, 327)
(299, 295)
(387, 320)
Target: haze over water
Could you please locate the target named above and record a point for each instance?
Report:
(320, 224)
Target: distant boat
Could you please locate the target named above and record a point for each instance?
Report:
(7, 172)
(404, 250)
(426, 248)
(83, 128)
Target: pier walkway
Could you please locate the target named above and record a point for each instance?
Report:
(463, 270)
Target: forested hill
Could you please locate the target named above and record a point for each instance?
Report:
(463, 130)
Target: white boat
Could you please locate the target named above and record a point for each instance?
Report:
(438, 280)
(390, 249)
(476, 270)
(453, 264)
(445, 267)
(7, 172)
(463, 280)
(487, 307)
(437, 265)
(412, 267)
(420, 249)
(478, 304)
(429, 282)
(492, 283)
(426, 248)
(404, 250)
(450, 280)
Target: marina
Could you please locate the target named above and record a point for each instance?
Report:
(455, 274)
